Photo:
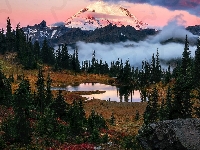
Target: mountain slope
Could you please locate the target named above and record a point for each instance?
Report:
(101, 14)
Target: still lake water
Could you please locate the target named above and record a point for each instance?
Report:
(112, 92)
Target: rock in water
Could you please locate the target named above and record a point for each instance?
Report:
(178, 134)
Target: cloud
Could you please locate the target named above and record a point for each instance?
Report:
(174, 29)
(136, 52)
(189, 5)
(132, 51)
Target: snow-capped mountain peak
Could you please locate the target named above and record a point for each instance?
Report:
(101, 14)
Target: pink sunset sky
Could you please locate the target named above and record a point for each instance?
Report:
(30, 12)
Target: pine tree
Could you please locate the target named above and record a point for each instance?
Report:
(9, 36)
(197, 65)
(151, 112)
(125, 76)
(2, 42)
(47, 53)
(158, 72)
(60, 107)
(161, 111)
(168, 75)
(186, 60)
(153, 70)
(168, 106)
(41, 97)
(22, 101)
(65, 64)
(36, 51)
(75, 62)
(49, 95)
(76, 118)
(49, 129)
(182, 105)
(5, 90)
(2, 87)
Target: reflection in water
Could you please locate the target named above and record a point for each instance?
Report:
(113, 93)
(127, 92)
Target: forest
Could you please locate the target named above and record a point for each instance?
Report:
(40, 119)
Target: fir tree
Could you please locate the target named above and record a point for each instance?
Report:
(47, 53)
(76, 118)
(151, 112)
(65, 64)
(2, 42)
(36, 50)
(168, 75)
(41, 97)
(161, 111)
(168, 106)
(9, 36)
(158, 72)
(197, 65)
(60, 107)
(186, 60)
(49, 129)
(182, 105)
(49, 95)
(5, 90)
(22, 101)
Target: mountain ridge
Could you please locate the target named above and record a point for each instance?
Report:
(101, 14)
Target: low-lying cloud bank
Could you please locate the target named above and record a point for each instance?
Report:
(143, 50)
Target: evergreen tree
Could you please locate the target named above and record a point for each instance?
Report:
(75, 62)
(168, 75)
(20, 125)
(2, 42)
(186, 59)
(158, 72)
(96, 122)
(58, 59)
(168, 106)
(2, 87)
(9, 36)
(41, 97)
(36, 51)
(49, 95)
(47, 53)
(49, 129)
(5, 90)
(197, 65)
(151, 112)
(65, 63)
(76, 118)
(153, 70)
(125, 76)
(24, 49)
(29, 61)
(182, 105)
(161, 111)
(60, 107)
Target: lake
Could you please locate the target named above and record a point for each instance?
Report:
(112, 92)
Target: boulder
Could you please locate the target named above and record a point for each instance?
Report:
(178, 134)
